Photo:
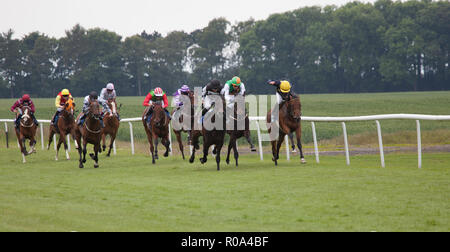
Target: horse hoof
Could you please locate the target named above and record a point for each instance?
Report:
(96, 166)
(202, 160)
(84, 160)
(166, 154)
(153, 161)
(108, 155)
(191, 160)
(253, 149)
(228, 161)
(303, 161)
(81, 166)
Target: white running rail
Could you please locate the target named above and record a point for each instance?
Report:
(311, 119)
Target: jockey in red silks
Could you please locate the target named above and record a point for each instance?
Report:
(156, 95)
(24, 101)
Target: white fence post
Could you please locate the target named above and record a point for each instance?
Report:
(347, 154)
(6, 135)
(41, 126)
(286, 138)
(380, 143)
(131, 138)
(419, 145)
(316, 148)
(261, 154)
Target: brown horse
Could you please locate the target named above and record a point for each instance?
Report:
(157, 128)
(27, 130)
(214, 136)
(289, 121)
(112, 123)
(236, 133)
(181, 120)
(91, 132)
(66, 125)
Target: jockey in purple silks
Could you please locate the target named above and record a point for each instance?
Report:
(184, 90)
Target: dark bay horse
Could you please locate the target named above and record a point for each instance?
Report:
(66, 125)
(112, 124)
(27, 130)
(181, 121)
(91, 132)
(289, 121)
(238, 116)
(214, 135)
(158, 127)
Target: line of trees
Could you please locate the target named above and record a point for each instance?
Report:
(384, 46)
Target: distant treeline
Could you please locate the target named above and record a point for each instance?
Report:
(385, 46)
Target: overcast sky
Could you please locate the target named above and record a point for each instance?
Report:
(130, 17)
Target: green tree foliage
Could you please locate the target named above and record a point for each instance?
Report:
(359, 47)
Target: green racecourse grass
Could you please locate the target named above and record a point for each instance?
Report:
(130, 194)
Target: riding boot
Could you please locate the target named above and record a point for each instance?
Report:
(17, 122)
(101, 122)
(55, 118)
(168, 114)
(204, 111)
(35, 120)
(149, 115)
(81, 120)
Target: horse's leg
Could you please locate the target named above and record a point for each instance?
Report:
(291, 137)
(279, 142)
(66, 148)
(50, 137)
(249, 140)
(20, 140)
(60, 141)
(218, 148)
(94, 156)
(236, 153)
(180, 143)
(111, 143)
(104, 141)
(274, 151)
(156, 139)
(230, 145)
(165, 141)
(84, 150)
(206, 145)
(298, 133)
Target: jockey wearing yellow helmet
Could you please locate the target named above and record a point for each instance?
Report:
(60, 101)
(283, 89)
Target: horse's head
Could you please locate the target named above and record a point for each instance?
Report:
(294, 108)
(159, 115)
(94, 109)
(26, 116)
(69, 106)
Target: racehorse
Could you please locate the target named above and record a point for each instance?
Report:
(289, 121)
(236, 133)
(27, 130)
(65, 125)
(181, 119)
(214, 136)
(91, 132)
(157, 128)
(112, 123)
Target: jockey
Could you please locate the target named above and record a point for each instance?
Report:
(232, 88)
(156, 95)
(107, 94)
(212, 88)
(283, 90)
(184, 90)
(24, 101)
(60, 101)
(92, 97)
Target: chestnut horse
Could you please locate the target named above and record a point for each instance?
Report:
(112, 123)
(91, 132)
(289, 121)
(65, 125)
(157, 128)
(27, 130)
(181, 118)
